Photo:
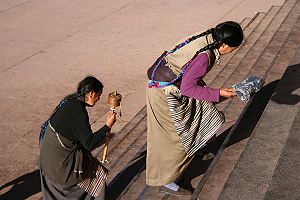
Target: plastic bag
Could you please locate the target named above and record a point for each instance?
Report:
(248, 86)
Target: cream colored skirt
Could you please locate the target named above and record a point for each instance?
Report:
(166, 156)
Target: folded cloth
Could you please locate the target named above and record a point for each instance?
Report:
(248, 86)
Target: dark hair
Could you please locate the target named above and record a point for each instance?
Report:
(229, 33)
(88, 84)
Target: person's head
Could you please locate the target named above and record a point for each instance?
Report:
(91, 89)
(228, 35)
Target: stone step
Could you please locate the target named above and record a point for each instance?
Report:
(277, 65)
(285, 181)
(274, 146)
(241, 59)
(261, 66)
(233, 108)
(249, 61)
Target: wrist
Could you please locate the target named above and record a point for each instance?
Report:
(108, 125)
(221, 93)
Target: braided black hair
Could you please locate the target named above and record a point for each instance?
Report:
(88, 84)
(229, 32)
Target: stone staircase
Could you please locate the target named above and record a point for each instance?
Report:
(272, 39)
(269, 165)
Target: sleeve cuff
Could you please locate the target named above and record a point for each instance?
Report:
(105, 129)
(217, 95)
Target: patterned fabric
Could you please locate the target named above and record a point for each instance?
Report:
(99, 173)
(248, 86)
(196, 121)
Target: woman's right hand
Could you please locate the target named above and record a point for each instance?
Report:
(111, 118)
(227, 92)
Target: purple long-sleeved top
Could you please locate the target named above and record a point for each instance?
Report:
(195, 71)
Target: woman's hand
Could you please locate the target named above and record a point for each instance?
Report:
(227, 92)
(111, 118)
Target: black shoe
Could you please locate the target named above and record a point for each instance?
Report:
(179, 192)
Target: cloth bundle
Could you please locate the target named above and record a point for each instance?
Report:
(248, 86)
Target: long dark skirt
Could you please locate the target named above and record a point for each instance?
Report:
(51, 191)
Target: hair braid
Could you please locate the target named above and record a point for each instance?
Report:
(209, 31)
(211, 46)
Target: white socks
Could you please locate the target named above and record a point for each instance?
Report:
(172, 186)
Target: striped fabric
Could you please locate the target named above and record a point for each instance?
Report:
(195, 121)
(99, 175)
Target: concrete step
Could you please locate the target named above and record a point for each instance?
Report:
(274, 146)
(211, 188)
(285, 181)
(290, 32)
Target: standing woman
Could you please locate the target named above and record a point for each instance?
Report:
(68, 169)
(180, 109)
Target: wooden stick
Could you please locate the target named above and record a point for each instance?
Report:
(105, 148)
(104, 159)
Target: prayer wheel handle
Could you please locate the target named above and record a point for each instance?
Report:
(114, 100)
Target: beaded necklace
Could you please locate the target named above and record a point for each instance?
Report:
(158, 84)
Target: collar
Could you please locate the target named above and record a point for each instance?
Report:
(218, 56)
(210, 40)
